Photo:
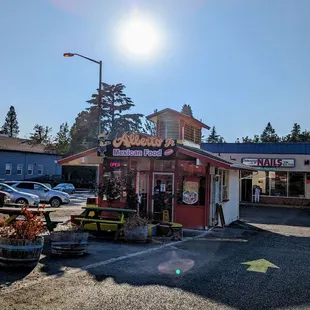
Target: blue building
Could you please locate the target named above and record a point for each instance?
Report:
(20, 160)
(283, 170)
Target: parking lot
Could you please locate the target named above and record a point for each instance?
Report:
(244, 266)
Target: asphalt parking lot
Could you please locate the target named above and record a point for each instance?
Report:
(259, 263)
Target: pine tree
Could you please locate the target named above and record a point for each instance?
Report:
(213, 137)
(149, 127)
(295, 135)
(114, 104)
(10, 126)
(62, 140)
(187, 109)
(41, 135)
(269, 134)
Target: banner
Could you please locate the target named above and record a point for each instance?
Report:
(190, 190)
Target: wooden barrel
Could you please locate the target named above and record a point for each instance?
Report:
(69, 243)
(20, 252)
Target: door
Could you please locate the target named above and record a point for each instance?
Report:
(163, 191)
(41, 191)
(143, 190)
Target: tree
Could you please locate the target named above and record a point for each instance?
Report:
(295, 135)
(62, 140)
(41, 135)
(269, 134)
(149, 127)
(83, 133)
(10, 126)
(187, 109)
(114, 104)
(246, 139)
(213, 136)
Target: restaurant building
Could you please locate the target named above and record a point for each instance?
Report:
(284, 170)
(173, 165)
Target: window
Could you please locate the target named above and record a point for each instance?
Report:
(223, 188)
(40, 169)
(296, 184)
(278, 183)
(261, 179)
(38, 187)
(25, 185)
(30, 170)
(8, 169)
(19, 170)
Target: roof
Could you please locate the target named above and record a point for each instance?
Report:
(258, 148)
(77, 156)
(22, 145)
(179, 114)
(212, 158)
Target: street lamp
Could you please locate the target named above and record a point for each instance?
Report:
(100, 82)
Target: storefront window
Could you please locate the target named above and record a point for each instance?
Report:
(278, 183)
(164, 165)
(260, 179)
(296, 184)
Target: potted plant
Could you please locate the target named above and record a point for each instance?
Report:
(20, 242)
(136, 228)
(110, 191)
(69, 240)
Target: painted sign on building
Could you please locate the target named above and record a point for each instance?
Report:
(269, 162)
(135, 145)
(190, 190)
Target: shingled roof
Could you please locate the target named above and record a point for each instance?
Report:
(22, 145)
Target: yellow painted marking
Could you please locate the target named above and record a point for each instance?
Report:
(259, 265)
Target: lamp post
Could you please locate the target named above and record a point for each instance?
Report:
(100, 83)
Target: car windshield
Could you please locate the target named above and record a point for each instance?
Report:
(6, 187)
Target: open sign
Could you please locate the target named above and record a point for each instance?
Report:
(115, 164)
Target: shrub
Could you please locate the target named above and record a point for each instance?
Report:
(28, 229)
(135, 221)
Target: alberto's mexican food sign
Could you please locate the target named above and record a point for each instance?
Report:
(135, 145)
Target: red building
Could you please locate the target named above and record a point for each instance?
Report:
(172, 165)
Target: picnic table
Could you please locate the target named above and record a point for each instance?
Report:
(103, 219)
(15, 212)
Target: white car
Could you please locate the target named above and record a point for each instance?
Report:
(46, 195)
(20, 197)
(65, 187)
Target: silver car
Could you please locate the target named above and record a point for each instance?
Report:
(46, 195)
(20, 197)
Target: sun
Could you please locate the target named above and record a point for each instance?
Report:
(139, 36)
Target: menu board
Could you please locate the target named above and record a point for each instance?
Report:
(190, 190)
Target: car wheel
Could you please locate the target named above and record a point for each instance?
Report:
(21, 201)
(55, 202)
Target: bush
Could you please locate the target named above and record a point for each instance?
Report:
(28, 229)
(135, 221)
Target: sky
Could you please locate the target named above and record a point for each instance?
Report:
(239, 63)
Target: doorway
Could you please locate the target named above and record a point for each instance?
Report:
(246, 190)
(163, 191)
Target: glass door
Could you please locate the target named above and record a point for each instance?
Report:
(163, 191)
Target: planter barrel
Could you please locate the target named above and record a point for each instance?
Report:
(138, 234)
(69, 243)
(20, 252)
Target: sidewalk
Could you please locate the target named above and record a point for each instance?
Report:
(264, 205)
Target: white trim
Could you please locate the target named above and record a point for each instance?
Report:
(10, 169)
(153, 185)
(21, 170)
(30, 165)
(41, 170)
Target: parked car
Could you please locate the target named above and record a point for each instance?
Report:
(19, 196)
(4, 198)
(53, 197)
(65, 187)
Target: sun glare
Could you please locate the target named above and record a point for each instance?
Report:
(139, 37)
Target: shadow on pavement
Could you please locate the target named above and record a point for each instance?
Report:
(275, 216)
(210, 269)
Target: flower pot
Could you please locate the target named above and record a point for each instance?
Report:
(139, 233)
(69, 243)
(20, 252)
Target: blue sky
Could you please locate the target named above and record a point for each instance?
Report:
(238, 63)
